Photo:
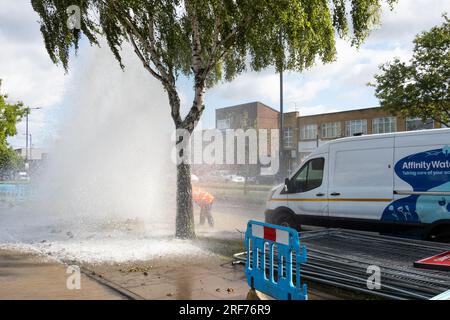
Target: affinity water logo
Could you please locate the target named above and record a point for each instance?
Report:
(425, 170)
(446, 150)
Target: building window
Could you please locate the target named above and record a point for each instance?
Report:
(331, 130)
(384, 125)
(353, 127)
(288, 135)
(308, 132)
(418, 124)
(223, 124)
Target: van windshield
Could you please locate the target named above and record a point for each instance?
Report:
(309, 176)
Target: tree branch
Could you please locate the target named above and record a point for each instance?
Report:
(439, 120)
(201, 73)
(197, 60)
(127, 22)
(234, 34)
(165, 75)
(198, 68)
(446, 110)
(141, 57)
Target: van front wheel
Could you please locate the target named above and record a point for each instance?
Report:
(285, 219)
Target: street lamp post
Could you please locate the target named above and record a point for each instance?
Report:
(26, 137)
(26, 133)
(282, 173)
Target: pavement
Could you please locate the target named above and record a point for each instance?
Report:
(194, 278)
(213, 277)
(28, 276)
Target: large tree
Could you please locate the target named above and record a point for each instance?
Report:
(420, 88)
(10, 114)
(207, 41)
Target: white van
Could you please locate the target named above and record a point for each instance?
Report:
(395, 183)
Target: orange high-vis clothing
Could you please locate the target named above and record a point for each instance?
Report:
(202, 197)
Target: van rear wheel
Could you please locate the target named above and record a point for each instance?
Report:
(285, 219)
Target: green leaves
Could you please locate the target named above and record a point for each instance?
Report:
(420, 88)
(10, 161)
(58, 37)
(208, 40)
(234, 35)
(10, 114)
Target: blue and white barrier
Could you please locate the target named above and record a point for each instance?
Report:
(274, 255)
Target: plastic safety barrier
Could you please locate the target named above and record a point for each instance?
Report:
(274, 257)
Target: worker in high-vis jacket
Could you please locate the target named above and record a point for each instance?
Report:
(205, 201)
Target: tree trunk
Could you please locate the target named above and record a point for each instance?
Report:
(185, 228)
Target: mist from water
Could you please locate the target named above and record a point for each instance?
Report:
(113, 155)
(107, 190)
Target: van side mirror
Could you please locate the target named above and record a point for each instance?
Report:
(288, 184)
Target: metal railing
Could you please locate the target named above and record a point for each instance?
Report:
(341, 258)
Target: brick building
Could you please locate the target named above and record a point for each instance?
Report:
(303, 134)
(253, 115)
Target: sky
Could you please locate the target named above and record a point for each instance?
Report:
(29, 75)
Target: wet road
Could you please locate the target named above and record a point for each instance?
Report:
(230, 218)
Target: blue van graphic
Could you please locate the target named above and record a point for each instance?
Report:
(425, 171)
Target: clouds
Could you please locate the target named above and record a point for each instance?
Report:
(408, 18)
(252, 85)
(305, 91)
(341, 85)
(25, 67)
(27, 72)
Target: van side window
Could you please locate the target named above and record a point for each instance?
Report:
(309, 176)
